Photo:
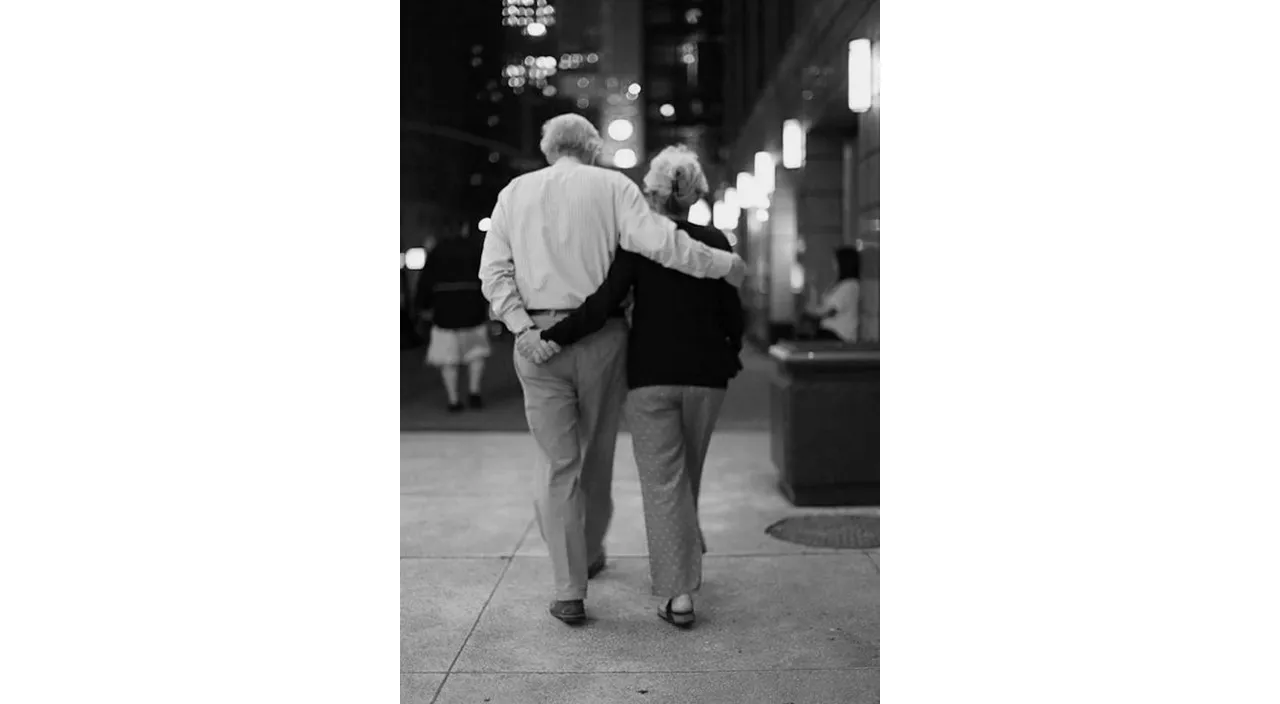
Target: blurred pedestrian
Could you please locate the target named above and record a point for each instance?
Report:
(409, 337)
(684, 346)
(836, 314)
(449, 294)
(552, 238)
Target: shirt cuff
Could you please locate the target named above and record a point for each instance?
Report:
(721, 264)
(555, 333)
(517, 320)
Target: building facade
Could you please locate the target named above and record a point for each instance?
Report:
(794, 200)
(684, 77)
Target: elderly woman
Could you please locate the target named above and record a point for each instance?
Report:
(686, 335)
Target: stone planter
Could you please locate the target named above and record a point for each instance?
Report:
(825, 423)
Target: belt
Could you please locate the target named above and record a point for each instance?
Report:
(565, 311)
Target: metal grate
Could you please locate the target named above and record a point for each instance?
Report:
(827, 531)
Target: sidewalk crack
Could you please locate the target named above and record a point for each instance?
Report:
(474, 624)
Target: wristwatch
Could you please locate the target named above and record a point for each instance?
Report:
(525, 329)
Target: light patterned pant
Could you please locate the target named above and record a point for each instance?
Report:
(574, 404)
(671, 430)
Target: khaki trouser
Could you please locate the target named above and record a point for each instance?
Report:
(574, 404)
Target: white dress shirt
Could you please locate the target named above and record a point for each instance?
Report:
(554, 231)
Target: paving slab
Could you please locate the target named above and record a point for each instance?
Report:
(739, 500)
(439, 602)
(803, 687)
(462, 526)
(419, 689)
(754, 614)
(468, 464)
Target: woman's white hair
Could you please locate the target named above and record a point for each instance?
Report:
(570, 134)
(675, 173)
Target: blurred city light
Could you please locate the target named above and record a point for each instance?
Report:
(724, 216)
(484, 224)
(624, 158)
(621, 129)
(633, 89)
(592, 58)
(748, 193)
(700, 213)
(415, 259)
(667, 110)
(762, 215)
(689, 53)
(860, 75)
(792, 144)
(535, 29)
(731, 198)
(797, 278)
(765, 174)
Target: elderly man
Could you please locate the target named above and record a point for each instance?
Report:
(550, 245)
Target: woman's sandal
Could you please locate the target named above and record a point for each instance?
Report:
(683, 619)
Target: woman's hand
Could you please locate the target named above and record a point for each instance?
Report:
(535, 349)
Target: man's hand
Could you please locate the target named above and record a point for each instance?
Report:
(532, 347)
(737, 272)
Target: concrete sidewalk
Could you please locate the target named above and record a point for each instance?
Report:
(777, 622)
(422, 397)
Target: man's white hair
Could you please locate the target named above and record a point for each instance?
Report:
(570, 134)
(676, 173)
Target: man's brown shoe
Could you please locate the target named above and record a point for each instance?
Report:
(571, 612)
